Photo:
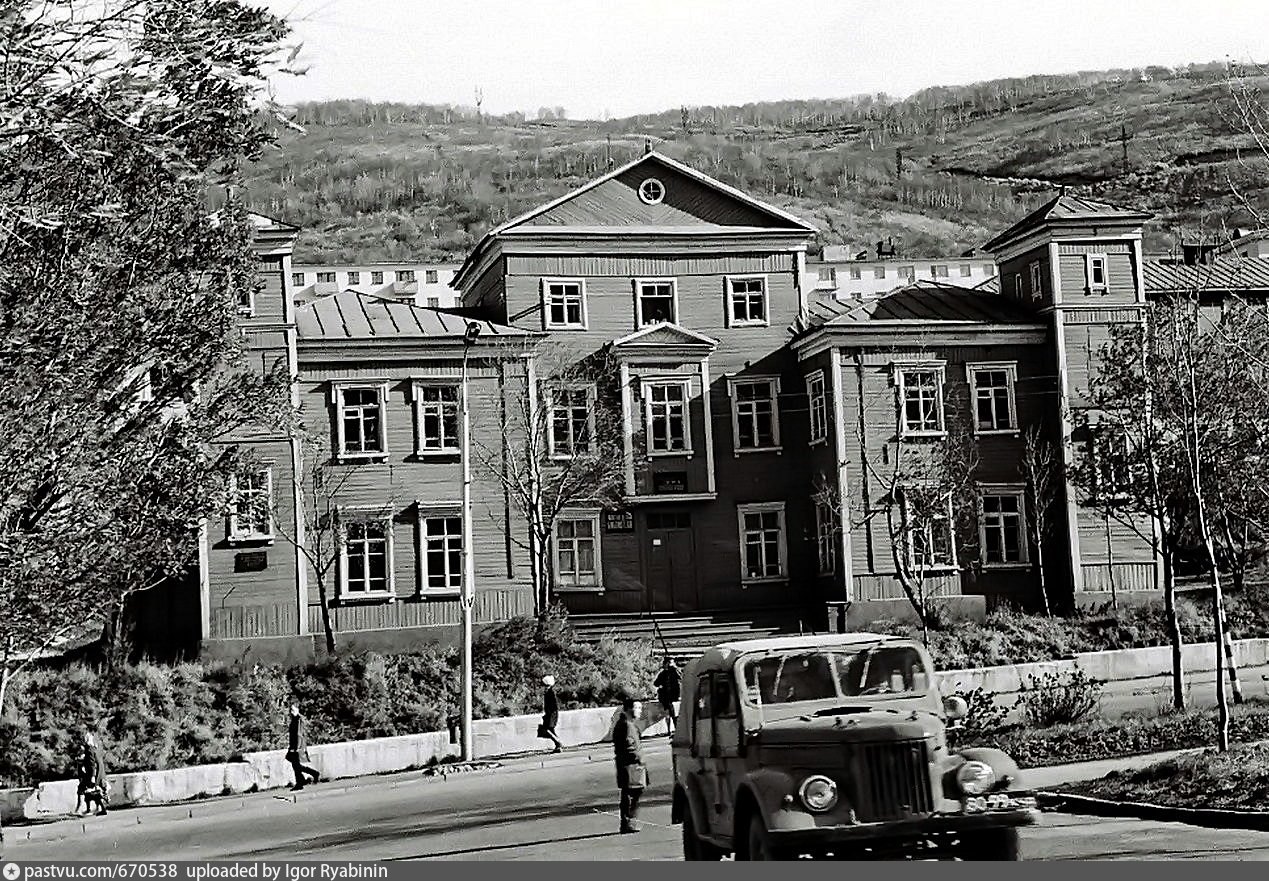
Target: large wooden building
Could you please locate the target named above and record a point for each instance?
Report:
(745, 404)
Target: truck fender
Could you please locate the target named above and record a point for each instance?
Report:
(688, 797)
(1004, 766)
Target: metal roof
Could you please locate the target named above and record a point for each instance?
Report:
(1245, 273)
(989, 286)
(1066, 208)
(923, 302)
(351, 315)
(726, 652)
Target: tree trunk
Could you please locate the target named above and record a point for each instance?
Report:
(1044, 585)
(6, 676)
(326, 625)
(1218, 612)
(1174, 628)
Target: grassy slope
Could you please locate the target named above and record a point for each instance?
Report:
(1236, 780)
(414, 190)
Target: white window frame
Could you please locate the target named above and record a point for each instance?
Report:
(639, 284)
(592, 516)
(952, 564)
(348, 516)
(431, 276)
(817, 407)
(1010, 369)
(337, 395)
(438, 512)
(1102, 437)
(550, 393)
(901, 369)
(773, 387)
(236, 532)
(327, 277)
(299, 279)
(1037, 290)
(1024, 550)
(1017, 285)
(247, 307)
(376, 276)
(825, 539)
(1091, 286)
(732, 320)
(782, 543)
(645, 391)
(547, 323)
(416, 389)
(354, 277)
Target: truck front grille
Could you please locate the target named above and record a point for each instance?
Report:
(893, 780)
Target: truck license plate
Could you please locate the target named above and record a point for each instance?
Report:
(997, 801)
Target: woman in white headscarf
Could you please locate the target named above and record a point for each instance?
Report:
(550, 713)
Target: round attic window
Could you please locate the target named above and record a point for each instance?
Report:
(651, 191)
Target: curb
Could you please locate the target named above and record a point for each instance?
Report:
(1211, 818)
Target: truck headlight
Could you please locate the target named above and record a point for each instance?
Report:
(975, 778)
(818, 793)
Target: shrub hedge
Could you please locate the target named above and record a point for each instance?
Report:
(153, 717)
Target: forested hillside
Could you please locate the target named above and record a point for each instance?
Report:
(939, 171)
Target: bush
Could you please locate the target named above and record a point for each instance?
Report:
(982, 714)
(151, 716)
(1058, 698)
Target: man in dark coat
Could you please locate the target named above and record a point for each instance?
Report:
(297, 750)
(550, 714)
(632, 774)
(669, 686)
(92, 775)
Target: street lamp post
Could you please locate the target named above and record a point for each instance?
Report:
(468, 594)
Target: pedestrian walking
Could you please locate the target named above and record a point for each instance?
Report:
(632, 773)
(669, 686)
(297, 751)
(91, 768)
(550, 714)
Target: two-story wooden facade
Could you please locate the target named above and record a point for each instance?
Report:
(740, 398)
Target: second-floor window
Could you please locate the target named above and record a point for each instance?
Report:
(1036, 291)
(571, 414)
(563, 305)
(246, 301)
(297, 279)
(325, 278)
(665, 415)
(360, 420)
(966, 270)
(251, 514)
(755, 413)
(656, 300)
(817, 406)
(991, 390)
(920, 399)
(1095, 273)
(1001, 533)
(376, 277)
(405, 275)
(354, 278)
(366, 557)
(436, 408)
(429, 275)
(746, 301)
(1112, 462)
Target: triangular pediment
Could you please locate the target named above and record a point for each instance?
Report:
(665, 336)
(688, 200)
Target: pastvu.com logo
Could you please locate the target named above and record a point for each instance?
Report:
(11, 872)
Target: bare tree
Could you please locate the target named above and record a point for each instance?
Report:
(1042, 473)
(557, 446)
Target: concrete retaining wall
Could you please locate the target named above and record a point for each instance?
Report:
(270, 770)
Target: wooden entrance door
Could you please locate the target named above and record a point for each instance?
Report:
(670, 562)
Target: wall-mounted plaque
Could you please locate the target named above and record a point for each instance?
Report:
(618, 521)
(251, 561)
(669, 482)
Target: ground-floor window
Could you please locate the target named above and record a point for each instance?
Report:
(762, 541)
(826, 538)
(577, 561)
(366, 557)
(1001, 527)
(442, 553)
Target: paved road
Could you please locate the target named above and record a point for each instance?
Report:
(563, 811)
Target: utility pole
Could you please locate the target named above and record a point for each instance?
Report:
(468, 597)
(1123, 141)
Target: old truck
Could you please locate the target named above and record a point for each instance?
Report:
(835, 746)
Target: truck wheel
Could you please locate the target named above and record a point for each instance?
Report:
(695, 848)
(991, 845)
(759, 842)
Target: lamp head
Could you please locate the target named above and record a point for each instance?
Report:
(473, 331)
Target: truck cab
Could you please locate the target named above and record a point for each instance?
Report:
(834, 746)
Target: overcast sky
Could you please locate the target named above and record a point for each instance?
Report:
(647, 55)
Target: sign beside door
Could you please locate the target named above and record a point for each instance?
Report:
(618, 521)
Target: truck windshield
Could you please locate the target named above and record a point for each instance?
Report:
(832, 674)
